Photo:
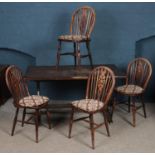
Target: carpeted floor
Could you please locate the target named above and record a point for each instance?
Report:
(124, 137)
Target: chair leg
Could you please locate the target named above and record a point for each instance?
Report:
(133, 111)
(92, 130)
(129, 102)
(58, 53)
(48, 118)
(23, 119)
(106, 123)
(143, 105)
(15, 121)
(78, 55)
(89, 53)
(36, 123)
(74, 53)
(71, 123)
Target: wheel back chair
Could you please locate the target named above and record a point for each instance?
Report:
(22, 99)
(100, 85)
(138, 75)
(82, 24)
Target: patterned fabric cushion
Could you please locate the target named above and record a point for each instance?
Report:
(89, 105)
(73, 37)
(129, 89)
(34, 100)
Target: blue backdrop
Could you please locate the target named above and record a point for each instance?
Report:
(122, 31)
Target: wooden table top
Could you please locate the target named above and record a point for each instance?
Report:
(47, 73)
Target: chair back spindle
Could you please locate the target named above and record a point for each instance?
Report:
(139, 72)
(83, 21)
(100, 84)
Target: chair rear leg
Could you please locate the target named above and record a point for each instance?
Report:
(48, 114)
(71, 122)
(89, 53)
(92, 130)
(143, 105)
(106, 123)
(23, 119)
(113, 106)
(129, 103)
(15, 121)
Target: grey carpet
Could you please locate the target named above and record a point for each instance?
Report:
(124, 137)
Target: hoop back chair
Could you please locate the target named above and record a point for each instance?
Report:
(138, 75)
(22, 99)
(100, 85)
(82, 24)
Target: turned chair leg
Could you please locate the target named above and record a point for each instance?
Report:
(23, 119)
(106, 123)
(134, 111)
(58, 53)
(92, 130)
(48, 114)
(71, 122)
(15, 121)
(78, 55)
(36, 123)
(75, 63)
(89, 53)
(143, 105)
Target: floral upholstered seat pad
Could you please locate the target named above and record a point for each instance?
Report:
(73, 37)
(129, 89)
(34, 100)
(89, 105)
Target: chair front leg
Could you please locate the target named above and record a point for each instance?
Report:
(133, 111)
(74, 45)
(36, 123)
(92, 130)
(78, 55)
(15, 121)
(23, 119)
(71, 122)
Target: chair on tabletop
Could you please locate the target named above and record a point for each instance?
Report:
(82, 24)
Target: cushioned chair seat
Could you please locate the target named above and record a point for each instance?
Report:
(129, 89)
(72, 37)
(89, 105)
(33, 101)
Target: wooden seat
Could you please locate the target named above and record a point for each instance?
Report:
(138, 75)
(82, 24)
(100, 85)
(23, 100)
